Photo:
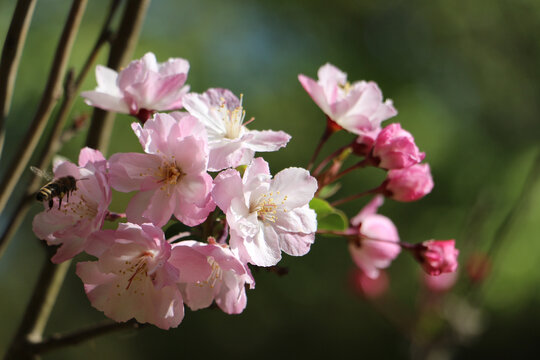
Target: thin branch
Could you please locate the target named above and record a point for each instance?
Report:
(69, 339)
(376, 190)
(121, 51)
(54, 140)
(51, 94)
(38, 310)
(11, 55)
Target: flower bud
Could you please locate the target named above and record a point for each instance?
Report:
(409, 184)
(438, 256)
(368, 287)
(395, 148)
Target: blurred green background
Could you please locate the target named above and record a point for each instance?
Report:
(463, 76)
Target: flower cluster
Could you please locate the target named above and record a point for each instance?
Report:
(198, 168)
(359, 108)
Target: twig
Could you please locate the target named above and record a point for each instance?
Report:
(61, 340)
(11, 55)
(52, 92)
(376, 190)
(121, 51)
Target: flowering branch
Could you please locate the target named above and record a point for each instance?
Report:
(11, 54)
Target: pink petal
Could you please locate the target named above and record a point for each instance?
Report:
(267, 140)
(227, 185)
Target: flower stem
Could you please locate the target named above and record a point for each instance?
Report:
(331, 127)
(376, 190)
(358, 165)
(11, 55)
(329, 158)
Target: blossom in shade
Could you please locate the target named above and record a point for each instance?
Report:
(211, 272)
(438, 256)
(171, 177)
(369, 287)
(142, 87)
(409, 184)
(376, 242)
(395, 148)
(441, 283)
(265, 215)
(356, 107)
(133, 277)
(231, 143)
(82, 211)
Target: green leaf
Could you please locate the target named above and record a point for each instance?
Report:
(328, 217)
(329, 190)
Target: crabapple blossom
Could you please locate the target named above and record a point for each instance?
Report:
(377, 239)
(231, 143)
(265, 215)
(441, 283)
(143, 87)
(357, 107)
(133, 276)
(171, 177)
(70, 224)
(369, 287)
(438, 256)
(409, 184)
(211, 272)
(395, 148)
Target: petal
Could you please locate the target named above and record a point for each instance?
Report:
(105, 101)
(316, 92)
(267, 140)
(227, 185)
(294, 187)
(129, 170)
(263, 248)
(296, 244)
(370, 209)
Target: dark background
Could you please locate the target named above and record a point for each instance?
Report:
(463, 76)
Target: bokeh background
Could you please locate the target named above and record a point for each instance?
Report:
(464, 76)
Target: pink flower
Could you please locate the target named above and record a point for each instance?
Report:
(377, 241)
(369, 287)
(231, 143)
(409, 184)
(142, 87)
(438, 256)
(82, 212)
(357, 107)
(171, 177)
(265, 215)
(395, 148)
(133, 277)
(211, 272)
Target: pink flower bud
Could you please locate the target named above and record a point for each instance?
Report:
(409, 184)
(438, 256)
(395, 148)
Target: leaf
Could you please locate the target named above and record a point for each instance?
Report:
(328, 217)
(329, 190)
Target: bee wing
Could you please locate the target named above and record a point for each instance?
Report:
(44, 174)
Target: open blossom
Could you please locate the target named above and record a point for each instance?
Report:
(211, 272)
(142, 87)
(82, 211)
(357, 107)
(409, 184)
(171, 177)
(265, 215)
(377, 239)
(133, 277)
(231, 143)
(395, 148)
(438, 256)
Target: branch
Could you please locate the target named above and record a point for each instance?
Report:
(54, 141)
(52, 92)
(11, 55)
(79, 336)
(121, 51)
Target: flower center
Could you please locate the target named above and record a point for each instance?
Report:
(345, 87)
(137, 269)
(267, 207)
(169, 173)
(233, 119)
(80, 207)
(216, 274)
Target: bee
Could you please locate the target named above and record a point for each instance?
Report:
(59, 188)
